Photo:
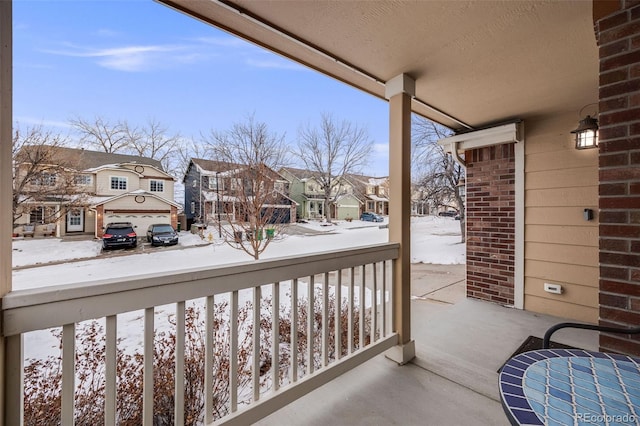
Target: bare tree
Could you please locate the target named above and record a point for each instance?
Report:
(248, 200)
(439, 175)
(102, 135)
(154, 141)
(332, 151)
(43, 177)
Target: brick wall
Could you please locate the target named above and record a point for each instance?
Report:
(490, 216)
(618, 36)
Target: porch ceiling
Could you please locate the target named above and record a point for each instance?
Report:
(479, 62)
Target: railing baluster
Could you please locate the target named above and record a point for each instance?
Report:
(325, 320)
(338, 318)
(294, 331)
(179, 385)
(275, 334)
(208, 360)
(310, 324)
(233, 363)
(14, 374)
(111, 331)
(147, 386)
(384, 299)
(255, 375)
(68, 373)
(352, 286)
(374, 303)
(362, 305)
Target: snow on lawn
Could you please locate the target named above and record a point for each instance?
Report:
(433, 240)
(41, 251)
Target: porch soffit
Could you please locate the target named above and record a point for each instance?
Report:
(479, 61)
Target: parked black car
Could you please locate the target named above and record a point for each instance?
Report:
(119, 234)
(162, 234)
(371, 217)
(449, 213)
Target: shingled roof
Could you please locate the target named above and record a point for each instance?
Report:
(83, 159)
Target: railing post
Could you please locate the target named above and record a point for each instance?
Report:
(7, 398)
(399, 91)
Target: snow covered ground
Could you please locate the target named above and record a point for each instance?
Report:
(433, 240)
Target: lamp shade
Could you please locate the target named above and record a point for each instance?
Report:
(587, 133)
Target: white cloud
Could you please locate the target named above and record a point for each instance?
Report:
(134, 58)
(380, 148)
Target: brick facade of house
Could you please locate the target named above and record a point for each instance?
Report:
(490, 216)
(618, 36)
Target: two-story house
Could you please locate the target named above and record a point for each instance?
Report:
(307, 190)
(79, 191)
(216, 191)
(373, 190)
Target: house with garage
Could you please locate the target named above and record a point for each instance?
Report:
(217, 191)
(307, 189)
(373, 190)
(77, 191)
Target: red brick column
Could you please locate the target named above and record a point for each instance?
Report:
(490, 216)
(618, 37)
(99, 221)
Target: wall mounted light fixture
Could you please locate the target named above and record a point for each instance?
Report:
(587, 132)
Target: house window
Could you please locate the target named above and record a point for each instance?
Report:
(118, 182)
(36, 215)
(279, 186)
(370, 205)
(45, 179)
(41, 214)
(193, 207)
(370, 190)
(156, 186)
(236, 183)
(194, 183)
(82, 179)
(213, 183)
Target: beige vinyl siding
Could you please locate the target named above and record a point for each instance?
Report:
(167, 192)
(129, 203)
(103, 182)
(560, 246)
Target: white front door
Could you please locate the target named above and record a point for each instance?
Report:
(75, 220)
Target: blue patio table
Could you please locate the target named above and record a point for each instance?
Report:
(571, 387)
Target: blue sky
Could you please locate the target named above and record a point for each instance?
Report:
(139, 60)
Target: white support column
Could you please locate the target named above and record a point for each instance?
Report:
(399, 92)
(6, 217)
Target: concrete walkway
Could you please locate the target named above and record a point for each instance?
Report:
(460, 345)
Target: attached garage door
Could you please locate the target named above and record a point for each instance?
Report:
(141, 221)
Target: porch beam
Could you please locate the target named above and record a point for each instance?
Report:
(6, 185)
(399, 91)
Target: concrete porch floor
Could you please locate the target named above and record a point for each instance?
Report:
(460, 345)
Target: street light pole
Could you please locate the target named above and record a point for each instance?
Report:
(218, 204)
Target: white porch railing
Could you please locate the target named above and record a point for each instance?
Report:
(299, 323)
